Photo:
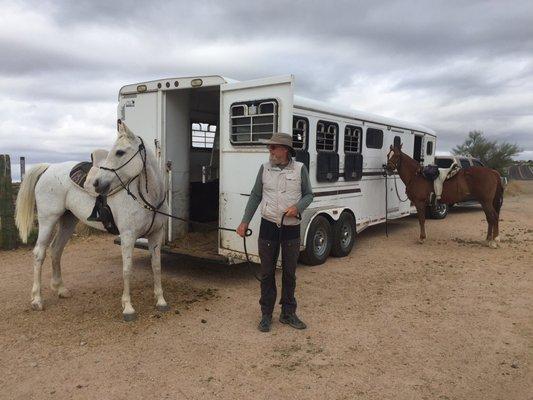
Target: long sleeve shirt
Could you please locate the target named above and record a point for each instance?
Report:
(257, 194)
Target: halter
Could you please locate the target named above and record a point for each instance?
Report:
(398, 163)
(145, 204)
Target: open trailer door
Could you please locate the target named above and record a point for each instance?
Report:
(249, 113)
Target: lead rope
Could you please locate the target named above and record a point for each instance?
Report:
(146, 205)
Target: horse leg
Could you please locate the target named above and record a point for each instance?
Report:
(46, 228)
(492, 219)
(127, 244)
(496, 228)
(421, 213)
(154, 244)
(67, 224)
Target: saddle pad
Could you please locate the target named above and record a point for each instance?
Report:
(78, 174)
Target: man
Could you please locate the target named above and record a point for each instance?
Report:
(282, 187)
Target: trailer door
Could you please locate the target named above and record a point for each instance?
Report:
(141, 113)
(249, 112)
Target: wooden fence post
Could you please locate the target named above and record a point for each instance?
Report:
(8, 231)
(22, 168)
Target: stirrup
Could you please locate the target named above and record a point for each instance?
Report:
(95, 214)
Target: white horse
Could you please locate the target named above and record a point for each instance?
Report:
(61, 202)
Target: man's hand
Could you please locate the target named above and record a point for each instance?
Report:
(241, 230)
(292, 211)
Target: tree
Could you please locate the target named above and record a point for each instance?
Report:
(493, 154)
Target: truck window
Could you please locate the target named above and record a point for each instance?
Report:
(464, 163)
(253, 121)
(444, 162)
(477, 163)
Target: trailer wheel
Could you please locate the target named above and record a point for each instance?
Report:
(318, 243)
(343, 235)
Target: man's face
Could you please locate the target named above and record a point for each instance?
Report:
(278, 154)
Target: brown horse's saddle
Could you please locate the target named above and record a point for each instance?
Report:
(83, 173)
(444, 174)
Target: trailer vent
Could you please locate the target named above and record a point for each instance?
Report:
(253, 121)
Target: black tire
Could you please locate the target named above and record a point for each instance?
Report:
(343, 235)
(318, 242)
(439, 212)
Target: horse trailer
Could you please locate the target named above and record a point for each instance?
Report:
(206, 132)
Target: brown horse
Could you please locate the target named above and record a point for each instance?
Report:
(481, 183)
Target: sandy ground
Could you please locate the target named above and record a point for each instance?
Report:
(450, 319)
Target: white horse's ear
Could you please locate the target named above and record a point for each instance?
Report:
(120, 128)
(123, 130)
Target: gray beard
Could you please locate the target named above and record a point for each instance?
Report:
(277, 161)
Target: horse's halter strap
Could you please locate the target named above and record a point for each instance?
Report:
(142, 152)
(397, 164)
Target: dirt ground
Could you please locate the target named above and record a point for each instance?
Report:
(450, 319)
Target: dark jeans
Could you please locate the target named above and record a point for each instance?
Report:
(268, 252)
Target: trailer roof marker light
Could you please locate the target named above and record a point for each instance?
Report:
(196, 82)
(159, 85)
(141, 88)
(167, 84)
(176, 83)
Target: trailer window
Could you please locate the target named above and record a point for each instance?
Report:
(374, 138)
(352, 139)
(326, 136)
(429, 148)
(253, 121)
(397, 142)
(300, 133)
(202, 135)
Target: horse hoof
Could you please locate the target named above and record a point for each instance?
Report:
(421, 241)
(37, 306)
(130, 317)
(497, 239)
(163, 308)
(493, 244)
(64, 294)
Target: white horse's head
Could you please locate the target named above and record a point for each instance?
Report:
(124, 161)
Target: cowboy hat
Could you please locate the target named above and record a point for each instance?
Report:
(282, 139)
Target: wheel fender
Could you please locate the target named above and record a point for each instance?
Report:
(331, 213)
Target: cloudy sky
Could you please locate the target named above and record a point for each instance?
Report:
(454, 66)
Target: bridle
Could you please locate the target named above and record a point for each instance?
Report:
(145, 203)
(393, 166)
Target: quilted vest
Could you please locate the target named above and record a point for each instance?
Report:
(282, 188)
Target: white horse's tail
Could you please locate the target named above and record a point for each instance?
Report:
(25, 209)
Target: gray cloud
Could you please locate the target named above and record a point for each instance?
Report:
(451, 65)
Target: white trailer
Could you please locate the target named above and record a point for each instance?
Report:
(206, 132)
